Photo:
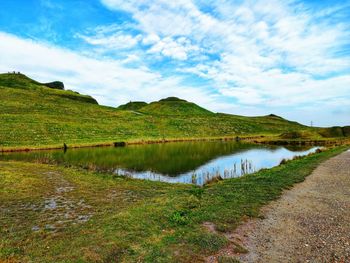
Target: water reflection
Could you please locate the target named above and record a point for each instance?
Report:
(186, 162)
(234, 165)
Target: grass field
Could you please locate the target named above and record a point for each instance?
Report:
(33, 115)
(57, 214)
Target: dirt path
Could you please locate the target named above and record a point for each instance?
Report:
(309, 223)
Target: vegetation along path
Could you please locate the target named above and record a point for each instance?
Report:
(310, 223)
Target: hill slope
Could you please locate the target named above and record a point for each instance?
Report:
(132, 105)
(34, 115)
(174, 106)
(56, 88)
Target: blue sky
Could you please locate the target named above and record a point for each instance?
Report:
(287, 57)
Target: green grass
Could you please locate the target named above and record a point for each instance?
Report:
(130, 220)
(223, 259)
(132, 105)
(174, 106)
(33, 115)
(335, 131)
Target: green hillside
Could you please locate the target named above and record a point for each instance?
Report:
(54, 89)
(132, 105)
(19, 80)
(34, 115)
(336, 131)
(174, 106)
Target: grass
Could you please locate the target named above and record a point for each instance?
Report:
(132, 105)
(35, 116)
(174, 106)
(223, 259)
(128, 220)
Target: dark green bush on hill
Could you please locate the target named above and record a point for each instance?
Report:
(55, 85)
(346, 131)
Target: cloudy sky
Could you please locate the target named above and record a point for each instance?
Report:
(288, 57)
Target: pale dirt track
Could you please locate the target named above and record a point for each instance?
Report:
(309, 223)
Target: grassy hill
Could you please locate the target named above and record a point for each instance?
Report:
(133, 105)
(174, 106)
(35, 115)
(54, 89)
(336, 131)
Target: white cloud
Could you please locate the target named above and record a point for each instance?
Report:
(150, 39)
(273, 54)
(110, 37)
(177, 49)
(115, 41)
(132, 58)
(109, 81)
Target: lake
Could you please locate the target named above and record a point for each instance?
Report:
(180, 162)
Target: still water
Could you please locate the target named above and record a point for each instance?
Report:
(181, 162)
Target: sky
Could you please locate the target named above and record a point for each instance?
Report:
(287, 57)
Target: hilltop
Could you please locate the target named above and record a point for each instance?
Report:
(54, 89)
(132, 105)
(33, 114)
(19, 80)
(173, 106)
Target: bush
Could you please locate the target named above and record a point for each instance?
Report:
(179, 218)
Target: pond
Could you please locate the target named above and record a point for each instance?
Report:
(180, 162)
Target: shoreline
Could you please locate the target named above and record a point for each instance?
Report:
(125, 143)
(258, 139)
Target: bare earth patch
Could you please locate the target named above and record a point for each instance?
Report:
(59, 208)
(309, 223)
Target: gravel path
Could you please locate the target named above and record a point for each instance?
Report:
(309, 223)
